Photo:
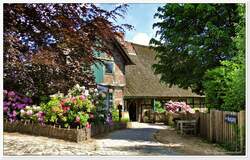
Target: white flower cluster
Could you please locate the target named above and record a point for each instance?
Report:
(29, 110)
(57, 95)
(77, 90)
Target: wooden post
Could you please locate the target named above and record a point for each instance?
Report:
(241, 125)
(193, 102)
(210, 125)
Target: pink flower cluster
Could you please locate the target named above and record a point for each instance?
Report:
(177, 107)
(65, 103)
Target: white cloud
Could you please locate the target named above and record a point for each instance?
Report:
(97, 4)
(141, 38)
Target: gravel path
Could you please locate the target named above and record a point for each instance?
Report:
(137, 141)
(16, 144)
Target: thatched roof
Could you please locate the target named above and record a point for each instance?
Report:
(141, 80)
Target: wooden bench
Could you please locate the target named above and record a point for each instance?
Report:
(185, 126)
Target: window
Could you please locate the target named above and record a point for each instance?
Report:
(110, 99)
(108, 67)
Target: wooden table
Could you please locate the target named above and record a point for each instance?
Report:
(186, 125)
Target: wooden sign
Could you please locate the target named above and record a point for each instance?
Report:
(231, 118)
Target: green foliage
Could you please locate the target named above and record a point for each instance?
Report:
(214, 85)
(115, 114)
(77, 109)
(52, 110)
(192, 39)
(225, 85)
(170, 119)
(235, 94)
(234, 98)
(83, 118)
(87, 104)
(125, 119)
(44, 99)
(158, 107)
(67, 112)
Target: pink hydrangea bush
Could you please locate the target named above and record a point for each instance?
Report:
(178, 107)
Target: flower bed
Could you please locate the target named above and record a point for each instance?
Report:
(70, 117)
(69, 134)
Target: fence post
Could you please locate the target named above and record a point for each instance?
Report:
(241, 125)
(211, 117)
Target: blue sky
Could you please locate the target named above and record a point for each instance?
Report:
(141, 16)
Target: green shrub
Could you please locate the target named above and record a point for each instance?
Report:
(158, 107)
(115, 114)
(170, 118)
(77, 109)
(125, 119)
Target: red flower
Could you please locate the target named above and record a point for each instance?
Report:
(63, 101)
(65, 108)
(88, 125)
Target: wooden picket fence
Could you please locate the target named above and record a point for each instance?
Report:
(214, 127)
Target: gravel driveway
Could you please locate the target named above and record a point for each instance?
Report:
(137, 141)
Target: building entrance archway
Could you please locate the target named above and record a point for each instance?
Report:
(132, 111)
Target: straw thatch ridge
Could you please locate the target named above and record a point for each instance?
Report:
(141, 80)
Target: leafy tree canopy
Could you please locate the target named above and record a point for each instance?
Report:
(225, 85)
(192, 39)
(47, 46)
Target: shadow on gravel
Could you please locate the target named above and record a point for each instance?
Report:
(133, 134)
(147, 150)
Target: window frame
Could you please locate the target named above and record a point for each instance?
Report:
(105, 68)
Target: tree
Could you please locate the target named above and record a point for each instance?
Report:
(192, 39)
(225, 85)
(49, 47)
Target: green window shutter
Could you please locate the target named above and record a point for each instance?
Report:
(98, 70)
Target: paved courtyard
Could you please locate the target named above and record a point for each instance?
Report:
(137, 141)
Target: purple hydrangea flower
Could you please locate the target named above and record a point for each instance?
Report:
(6, 104)
(20, 106)
(40, 114)
(18, 98)
(14, 113)
(11, 94)
(41, 119)
(5, 109)
(9, 114)
(27, 100)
